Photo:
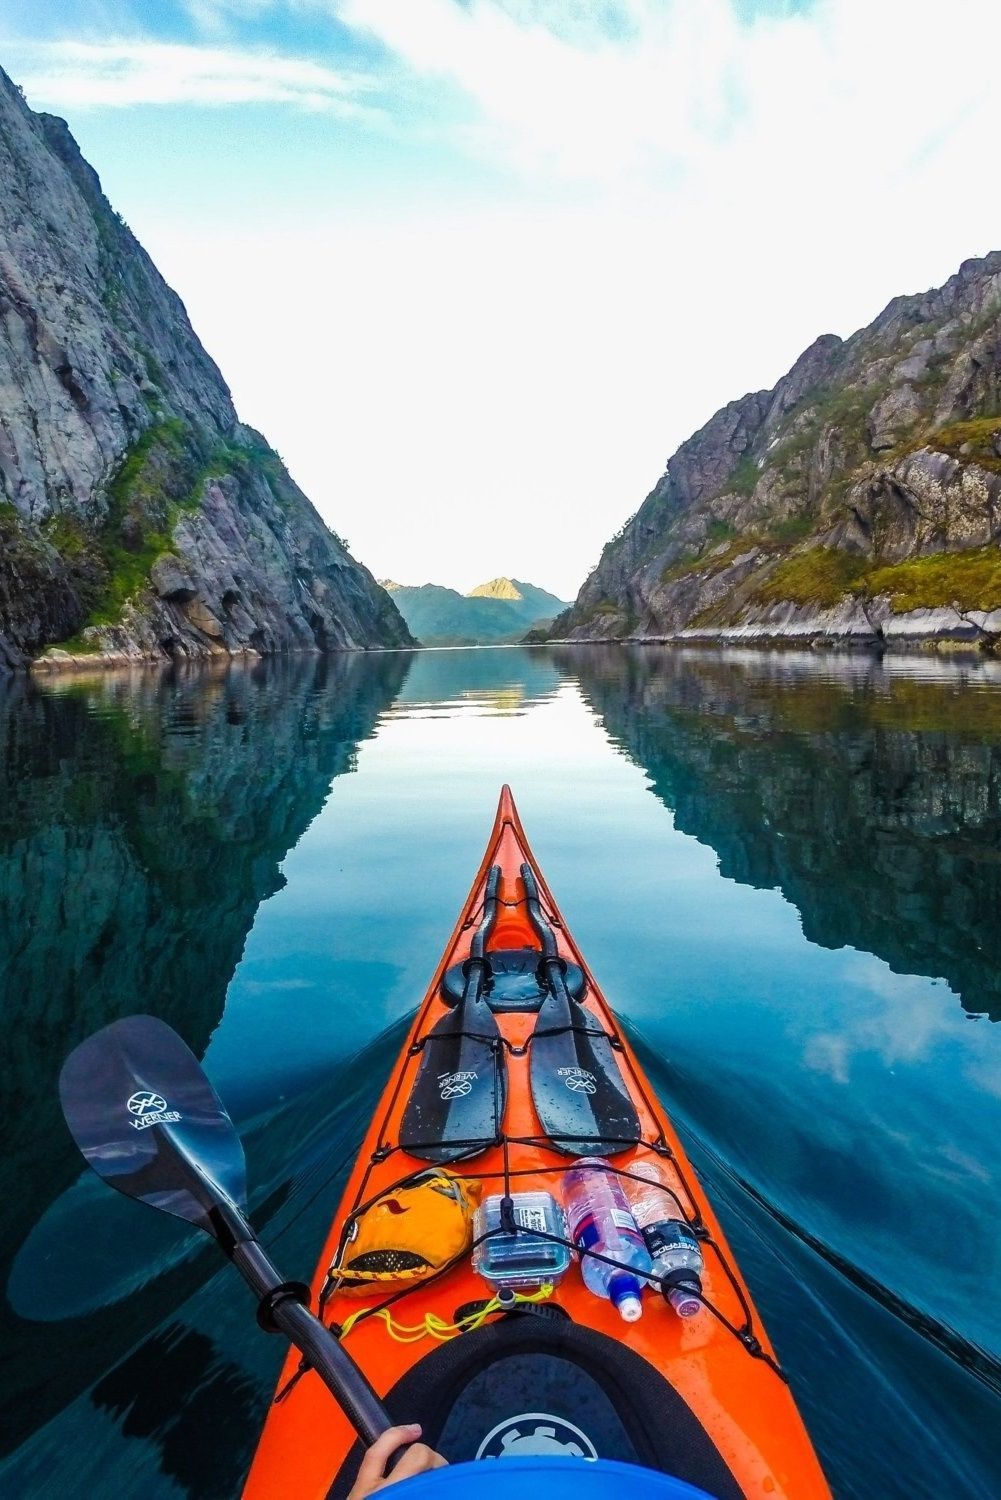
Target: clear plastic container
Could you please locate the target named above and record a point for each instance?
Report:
(521, 1262)
(673, 1248)
(601, 1220)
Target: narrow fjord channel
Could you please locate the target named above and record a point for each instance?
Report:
(784, 869)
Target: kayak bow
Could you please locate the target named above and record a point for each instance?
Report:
(700, 1398)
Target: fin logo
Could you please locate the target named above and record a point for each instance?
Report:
(532, 1434)
(578, 1080)
(149, 1109)
(455, 1085)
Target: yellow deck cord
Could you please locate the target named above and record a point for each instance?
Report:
(436, 1328)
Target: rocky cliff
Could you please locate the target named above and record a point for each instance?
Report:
(859, 501)
(138, 517)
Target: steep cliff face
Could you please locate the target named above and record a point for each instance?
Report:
(138, 517)
(858, 500)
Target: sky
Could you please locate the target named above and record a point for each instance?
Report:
(477, 267)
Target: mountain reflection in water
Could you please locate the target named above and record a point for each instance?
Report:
(783, 868)
(143, 820)
(868, 792)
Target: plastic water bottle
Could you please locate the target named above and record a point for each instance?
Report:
(599, 1219)
(668, 1238)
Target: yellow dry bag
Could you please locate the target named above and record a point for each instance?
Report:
(408, 1234)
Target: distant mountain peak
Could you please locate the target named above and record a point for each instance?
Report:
(498, 588)
(501, 610)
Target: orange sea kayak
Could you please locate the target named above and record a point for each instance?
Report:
(513, 1050)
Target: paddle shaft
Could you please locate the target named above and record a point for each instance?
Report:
(284, 1310)
(150, 1124)
(553, 967)
(335, 1367)
(477, 964)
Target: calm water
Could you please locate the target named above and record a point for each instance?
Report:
(786, 871)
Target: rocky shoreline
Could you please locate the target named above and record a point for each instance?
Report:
(850, 626)
(56, 662)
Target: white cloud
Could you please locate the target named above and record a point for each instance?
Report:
(903, 1019)
(685, 87)
(719, 195)
(119, 74)
(683, 202)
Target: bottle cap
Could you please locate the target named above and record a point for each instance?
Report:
(624, 1295)
(683, 1300)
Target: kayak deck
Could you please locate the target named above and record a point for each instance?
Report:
(702, 1398)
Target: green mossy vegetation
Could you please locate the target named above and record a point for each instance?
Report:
(601, 610)
(687, 562)
(971, 442)
(790, 529)
(818, 575)
(76, 645)
(162, 477)
(974, 440)
(971, 580)
(822, 576)
(708, 560)
(153, 487)
(742, 479)
(720, 531)
(67, 534)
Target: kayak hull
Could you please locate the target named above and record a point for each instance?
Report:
(720, 1371)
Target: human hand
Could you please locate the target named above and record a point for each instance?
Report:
(418, 1459)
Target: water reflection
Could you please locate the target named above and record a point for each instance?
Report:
(143, 819)
(221, 1398)
(181, 843)
(501, 681)
(867, 791)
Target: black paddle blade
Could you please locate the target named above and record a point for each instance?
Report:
(149, 1122)
(578, 1091)
(457, 1101)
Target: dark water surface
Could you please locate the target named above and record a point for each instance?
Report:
(785, 870)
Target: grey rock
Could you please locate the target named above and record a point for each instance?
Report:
(863, 448)
(171, 579)
(892, 416)
(117, 431)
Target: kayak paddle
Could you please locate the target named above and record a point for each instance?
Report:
(579, 1095)
(149, 1122)
(457, 1101)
